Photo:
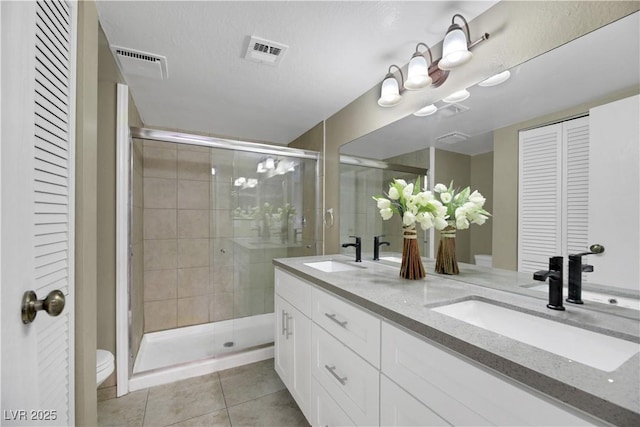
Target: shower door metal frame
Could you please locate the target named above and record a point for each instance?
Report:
(125, 208)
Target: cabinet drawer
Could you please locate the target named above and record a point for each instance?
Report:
(463, 393)
(398, 408)
(325, 411)
(354, 327)
(294, 290)
(349, 379)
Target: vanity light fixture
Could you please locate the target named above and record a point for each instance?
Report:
(239, 181)
(418, 74)
(261, 168)
(458, 96)
(496, 79)
(456, 45)
(390, 91)
(426, 110)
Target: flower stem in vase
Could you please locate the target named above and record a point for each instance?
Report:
(411, 267)
(446, 262)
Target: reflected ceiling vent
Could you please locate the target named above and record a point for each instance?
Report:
(265, 51)
(452, 109)
(452, 137)
(138, 63)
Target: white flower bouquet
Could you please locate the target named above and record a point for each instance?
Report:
(413, 205)
(463, 208)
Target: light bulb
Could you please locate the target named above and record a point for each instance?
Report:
(458, 96)
(426, 110)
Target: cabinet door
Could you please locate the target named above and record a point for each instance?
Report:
(614, 181)
(293, 352)
(283, 353)
(298, 335)
(398, 408)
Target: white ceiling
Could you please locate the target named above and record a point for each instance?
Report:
(587, 69)
(338, 50)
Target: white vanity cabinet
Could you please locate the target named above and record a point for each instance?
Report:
(347, 367)
(462, 393)
(293, 337)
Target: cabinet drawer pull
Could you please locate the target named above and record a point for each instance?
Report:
(332, 369)
(284, 320)
(289, 333)
(333, 317)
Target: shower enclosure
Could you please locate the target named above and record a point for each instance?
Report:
(360, 180)
(207, 218)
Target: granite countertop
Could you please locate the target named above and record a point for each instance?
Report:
(612, 396)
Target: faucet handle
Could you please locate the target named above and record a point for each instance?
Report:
(586, 268)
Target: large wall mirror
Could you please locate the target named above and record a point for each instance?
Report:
(457, 142)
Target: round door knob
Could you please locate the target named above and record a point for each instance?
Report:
(53, 304)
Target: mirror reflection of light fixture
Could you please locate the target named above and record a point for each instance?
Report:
(213, 171)
(269, 163)
(418, 74)
(261, 168)
(426, 110)
(458, 96)
(239, 181)
(496, 79)
(390, 91)
(456, 45)
(251, 183)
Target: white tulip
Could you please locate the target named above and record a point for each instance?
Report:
(477, 199)
(440, 188)
(407, 191)
(402, 182)
(462, 223)
(386, 213)
(408, 218)
(445, 197)
(440, 223)
(425, 221)
(383, 203)
(393, 193)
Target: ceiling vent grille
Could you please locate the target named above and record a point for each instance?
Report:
(452, 137)
(452, 109)
(265, 51)
(138, 63)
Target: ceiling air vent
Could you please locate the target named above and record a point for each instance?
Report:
(452, 137)
(452, 109)
(265, 51)
(138, 63)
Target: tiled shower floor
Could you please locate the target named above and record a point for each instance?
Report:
(250, 395)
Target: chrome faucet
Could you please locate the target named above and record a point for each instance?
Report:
(357, 245)
(555, 282)
(376, 247)
(576, 268)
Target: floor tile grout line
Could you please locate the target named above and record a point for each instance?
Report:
(146, 402)
(224, 398)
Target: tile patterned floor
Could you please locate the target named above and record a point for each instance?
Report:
(250, 395)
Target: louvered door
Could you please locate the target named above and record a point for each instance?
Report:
(38, 80)
(539, 193)
(553, 210)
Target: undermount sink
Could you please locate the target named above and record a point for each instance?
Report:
(332, 266)
(581, 345)
(609, 299)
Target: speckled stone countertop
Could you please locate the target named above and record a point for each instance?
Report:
(376, 287)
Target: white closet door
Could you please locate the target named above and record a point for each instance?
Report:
(38, 80)
(539, 194)
(614, 219)
(576, 187)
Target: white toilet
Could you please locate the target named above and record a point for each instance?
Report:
(484, 260)
(105, 364)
